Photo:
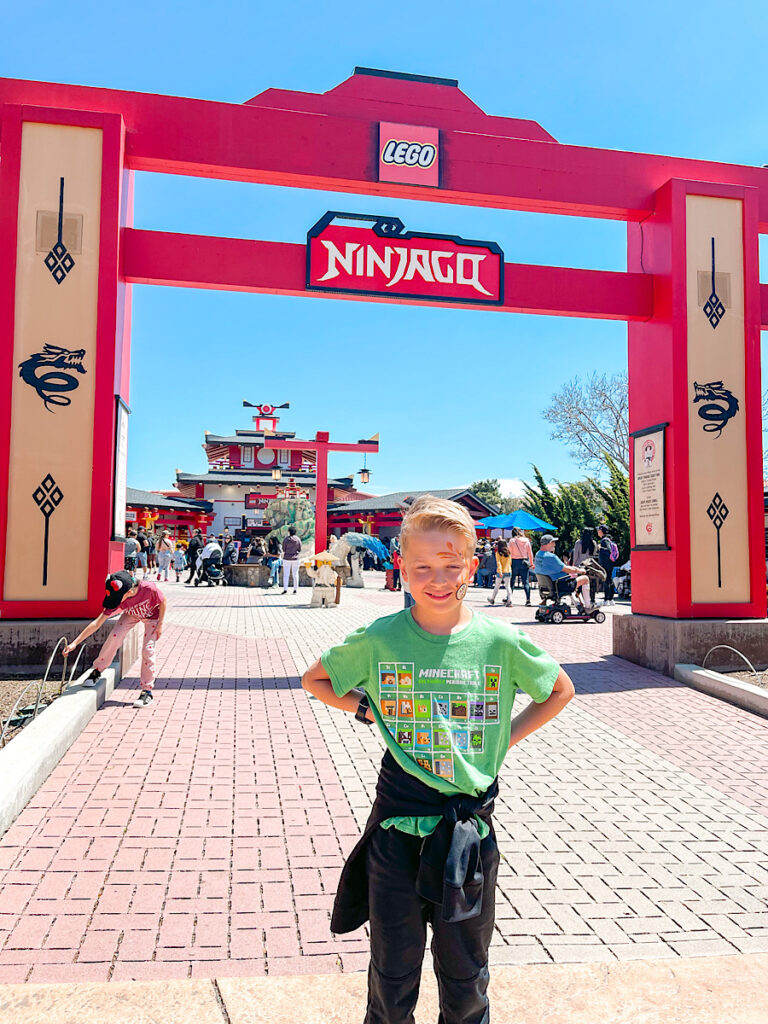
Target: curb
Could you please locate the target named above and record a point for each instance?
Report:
(30, 757)
(729, 988)
(744, 695)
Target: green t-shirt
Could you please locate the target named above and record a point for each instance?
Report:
(443, 703)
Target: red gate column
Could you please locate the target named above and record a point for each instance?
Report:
(695, 425)
(64, 350)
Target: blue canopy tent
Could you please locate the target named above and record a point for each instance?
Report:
(521, 519)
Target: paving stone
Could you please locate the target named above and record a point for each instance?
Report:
(212, 839)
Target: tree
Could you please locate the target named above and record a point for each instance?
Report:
(615, 511)
(569, 507)
(591, 418)
(488, 491)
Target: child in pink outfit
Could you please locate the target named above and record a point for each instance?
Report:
(139, 602)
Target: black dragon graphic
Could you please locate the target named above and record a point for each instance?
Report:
(46, 372)
(720, 405)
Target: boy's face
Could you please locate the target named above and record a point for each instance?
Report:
(129, 593)
(435, 564)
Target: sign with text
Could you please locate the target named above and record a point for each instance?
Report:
(409, 154)
(649, 488)
(366, 255)
(254, 500)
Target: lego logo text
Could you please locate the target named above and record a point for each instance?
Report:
(412, 154)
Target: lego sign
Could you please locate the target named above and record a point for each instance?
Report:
(408, 154)
(365, 255)
(254, 500)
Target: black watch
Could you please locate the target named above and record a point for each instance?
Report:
(362, 710)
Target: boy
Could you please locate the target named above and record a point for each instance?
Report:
(179, 560)
(139, 602)
(439, 683)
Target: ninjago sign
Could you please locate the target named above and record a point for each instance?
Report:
(366, 255)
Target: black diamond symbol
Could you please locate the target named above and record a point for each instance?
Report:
(49, 483)
(47, 507)
(39, 496)
(714, 310)
(59, 262)
(56, 496)
(718, 512)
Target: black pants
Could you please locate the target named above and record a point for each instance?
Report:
(608, 588)
(398, 924)
(520, 568)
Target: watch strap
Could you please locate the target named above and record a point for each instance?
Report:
(362, 710)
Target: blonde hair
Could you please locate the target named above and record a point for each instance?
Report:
(431, 513)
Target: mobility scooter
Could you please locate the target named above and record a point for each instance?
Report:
(557, 605)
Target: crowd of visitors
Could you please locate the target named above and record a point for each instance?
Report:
(505, 563)
(591, 563)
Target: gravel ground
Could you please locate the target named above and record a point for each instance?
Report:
(10, 690)
(761, 679)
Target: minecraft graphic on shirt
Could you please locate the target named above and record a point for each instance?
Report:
(405, 675)
(492, 678)
(387, 676)
(435, 715)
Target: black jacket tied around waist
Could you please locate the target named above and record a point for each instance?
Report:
(450, 870)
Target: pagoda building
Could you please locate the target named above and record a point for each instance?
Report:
(245, 473)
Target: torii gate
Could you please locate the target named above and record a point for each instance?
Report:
(68, 256)
(322, 445)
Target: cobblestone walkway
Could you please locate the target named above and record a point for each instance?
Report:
(204, 838)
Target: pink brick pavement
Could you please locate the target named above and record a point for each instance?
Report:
(204, 837)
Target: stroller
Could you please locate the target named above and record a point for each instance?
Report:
(211, 572)
(558, 604)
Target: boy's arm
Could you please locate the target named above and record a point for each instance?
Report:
(160, 617)
(90, 628)
(536, 715)
(317, 682)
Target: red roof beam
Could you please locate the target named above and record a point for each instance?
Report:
(279, 268)
(247, 142)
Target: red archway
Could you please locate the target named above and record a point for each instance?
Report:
(691, 297)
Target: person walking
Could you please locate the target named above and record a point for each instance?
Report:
(179, 560)
(151, 552)
(522, 561)
(229, 552)
(164, 554)
(397, 583)
(503, 573)
(141, 554)
(584, 547)
(131, 552)
(291, 552)
(139, 601)
(487, 566)
(196, 545)
(606, 559)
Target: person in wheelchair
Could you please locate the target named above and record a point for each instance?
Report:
(565, 578)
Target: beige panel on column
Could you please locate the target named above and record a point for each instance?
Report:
(717, 431)
(54, 352)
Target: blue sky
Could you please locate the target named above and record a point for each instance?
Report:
(456, 395)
